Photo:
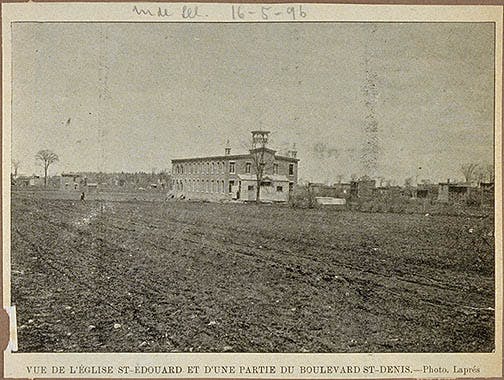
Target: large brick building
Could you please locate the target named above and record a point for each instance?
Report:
(231, 176)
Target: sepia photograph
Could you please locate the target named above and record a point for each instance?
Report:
(253, 187)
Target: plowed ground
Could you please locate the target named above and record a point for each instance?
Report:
(181, 276)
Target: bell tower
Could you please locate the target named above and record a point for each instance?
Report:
(259, 139)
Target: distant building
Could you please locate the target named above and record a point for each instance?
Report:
(91, 187)
(427, 191)
(362, 188)
(35, 180)
(382, 190)
(230, 176)
(70, 181)
(487, 186)
(337, 190)
(452, 192)
(25, 181)
(18, 181)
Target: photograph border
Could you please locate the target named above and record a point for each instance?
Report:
(256, 358)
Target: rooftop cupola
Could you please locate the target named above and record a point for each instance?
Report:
(259, 139)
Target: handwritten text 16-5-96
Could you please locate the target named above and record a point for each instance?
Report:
(267, 12)
(244, 12)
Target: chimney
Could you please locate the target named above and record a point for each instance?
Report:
(292, 153)
(227, 149)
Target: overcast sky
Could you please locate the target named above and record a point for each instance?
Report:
(130, 97)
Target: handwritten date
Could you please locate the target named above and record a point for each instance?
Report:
(267, 12)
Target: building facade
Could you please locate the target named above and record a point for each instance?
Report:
(362, 188)
(454, 192)
(234, 177)
(70, 181)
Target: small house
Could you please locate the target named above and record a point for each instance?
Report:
(452, 192)
(35, 180)
(70, 181)
(91, 187)
(362, 188)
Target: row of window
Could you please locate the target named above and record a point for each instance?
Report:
(201, 168)
(219, 167)
(201, 186)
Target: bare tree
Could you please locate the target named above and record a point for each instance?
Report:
(260, 161)
(381, 181)
(15, 167)
(469, 170)
(47, 158)
(480, 174)
(488, 172)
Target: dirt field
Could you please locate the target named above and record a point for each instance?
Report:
(178, 276)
